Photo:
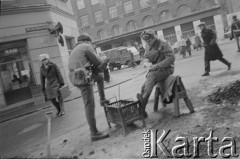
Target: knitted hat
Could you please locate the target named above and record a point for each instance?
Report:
(202, 24)
(84, 37)
(43, 57)
(147, 34)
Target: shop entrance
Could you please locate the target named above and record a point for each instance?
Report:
(15, 72)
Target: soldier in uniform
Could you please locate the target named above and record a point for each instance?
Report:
(81, 59)
(162, 57)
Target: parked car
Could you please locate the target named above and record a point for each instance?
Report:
(117, 57)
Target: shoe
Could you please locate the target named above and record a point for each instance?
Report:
(229, 66)
(99, 136)
(104, 102)
(206, 74)
(60, 113)
(141, 106)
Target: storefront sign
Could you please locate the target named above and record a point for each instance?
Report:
(37, 28)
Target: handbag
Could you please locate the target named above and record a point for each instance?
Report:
(64, 91)
(236, 32)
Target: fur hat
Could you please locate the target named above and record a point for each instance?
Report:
(43, 57)
(147, 34)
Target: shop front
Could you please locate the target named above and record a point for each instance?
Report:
(16, 75)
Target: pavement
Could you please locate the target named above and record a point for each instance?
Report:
(117, 77)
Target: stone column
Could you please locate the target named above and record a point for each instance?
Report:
(160, 34)
(196, 28)
(178, 32)
(219, 26)
(2, 98)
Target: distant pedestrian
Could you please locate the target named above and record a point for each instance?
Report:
(49, 71)
(182, 44)
(188, 46)
(198, 42)
(212, 51)
(235, 30)
(106, 71)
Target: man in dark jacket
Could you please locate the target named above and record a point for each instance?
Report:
(234, 27)
(160, 54)
(212, 51)
(81, 60)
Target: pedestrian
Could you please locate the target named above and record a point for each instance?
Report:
(162, 58)
(49, 71)
(132, 59)
(188, 46)
(182, 45)
(81, 60)
(198, 42)
(235, 30)
(212, 51)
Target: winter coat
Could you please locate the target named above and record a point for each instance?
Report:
(198, 41)
(235, 26)
(161, 53)
(82, 57)
(54, 79)
(212, 51)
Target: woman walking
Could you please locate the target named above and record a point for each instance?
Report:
(50, 71)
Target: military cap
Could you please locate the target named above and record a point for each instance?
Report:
(202, 24)
(84, 37)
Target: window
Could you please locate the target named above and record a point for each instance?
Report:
(131, 25)
(84, 21)
(162, 1)
(113, 12)
(183, 11)
(98, 16)
(144, 3)
(116, 30)
(147, 21)
(128, 8)
(165, 16)
(94, 2)
(80, 4)
(101, 34)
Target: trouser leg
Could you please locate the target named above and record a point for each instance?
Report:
(223, 60)
(100, 83)
(106, 75)
(152, 79)
(207, 65)
(88, 100)
(56, 104)
(237, 41)
(61, 104)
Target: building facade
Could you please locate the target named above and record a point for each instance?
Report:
(115, 23)
(24, 34)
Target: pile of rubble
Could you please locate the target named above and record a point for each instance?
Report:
(229, 93)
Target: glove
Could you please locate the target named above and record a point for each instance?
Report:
(231, 38)
(61, 84)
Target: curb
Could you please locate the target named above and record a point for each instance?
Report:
(48, 106)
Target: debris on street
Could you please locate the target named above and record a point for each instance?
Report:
(230, 93)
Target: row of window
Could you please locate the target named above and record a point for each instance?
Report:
(165, 15)
(143, 3)
(113, 13)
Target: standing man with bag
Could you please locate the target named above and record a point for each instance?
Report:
(235, 30)
(81, 60)
(51, 72)
(212, 51)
